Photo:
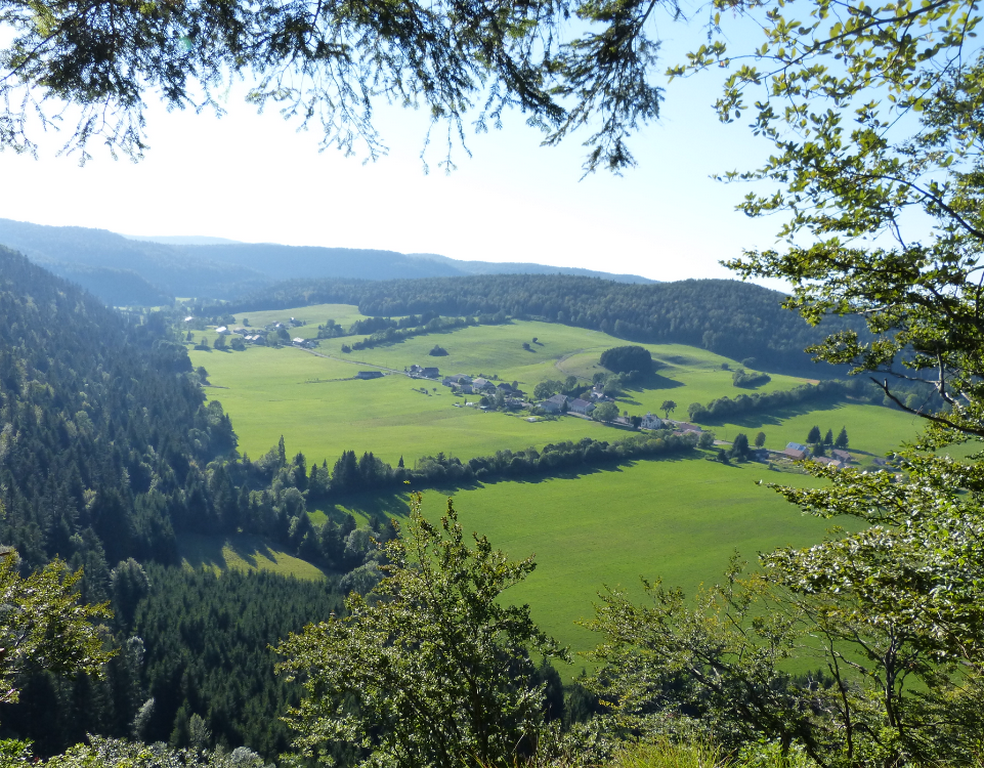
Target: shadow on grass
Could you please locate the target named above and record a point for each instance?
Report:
(395, 503)
(758, 418)
(373, 504)
(202, 551)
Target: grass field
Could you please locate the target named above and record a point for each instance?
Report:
(872, 430)
(613, 527)
(313, 400)
(242, 552)
(314, 315)
(679, 519)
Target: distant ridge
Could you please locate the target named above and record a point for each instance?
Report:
(182, 239)
(124, 270)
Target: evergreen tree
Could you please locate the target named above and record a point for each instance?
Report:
(814, 436)
(841, 441)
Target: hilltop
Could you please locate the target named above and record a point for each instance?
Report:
(126, 271)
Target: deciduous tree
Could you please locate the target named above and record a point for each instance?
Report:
(431, 668)
(45, 626)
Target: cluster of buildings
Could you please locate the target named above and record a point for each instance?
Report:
(838, 458)
(260, 335)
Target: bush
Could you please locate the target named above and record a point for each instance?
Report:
(626, 359)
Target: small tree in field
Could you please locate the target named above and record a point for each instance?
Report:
(667, 408)
(431, 668)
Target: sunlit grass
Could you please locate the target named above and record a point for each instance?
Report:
(242, 552)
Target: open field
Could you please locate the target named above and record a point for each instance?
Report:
(321, 412)
(679, 519)
(872, 430)
(612, 527)
(314, 315)
(242, 552)
(312, 399)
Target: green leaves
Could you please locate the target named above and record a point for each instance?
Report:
(430, 668)
(43, 626)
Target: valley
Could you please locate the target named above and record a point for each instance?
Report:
(675, 518)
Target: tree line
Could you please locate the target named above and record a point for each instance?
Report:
(727, 317)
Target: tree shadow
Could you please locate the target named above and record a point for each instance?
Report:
(757, 418)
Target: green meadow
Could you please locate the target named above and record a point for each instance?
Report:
(242, 552)
(678, 520)
(313, 316)
(313, 399)
(322, 411)
(872, 430)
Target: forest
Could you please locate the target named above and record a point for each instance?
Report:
(728, 317)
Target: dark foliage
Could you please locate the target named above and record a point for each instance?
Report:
(627, 359)
(104, 427)
(197, 643)
(728, 317)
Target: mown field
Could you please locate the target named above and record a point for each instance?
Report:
(676, 519)
(313, 400)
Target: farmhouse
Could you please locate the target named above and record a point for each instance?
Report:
(554, 404)
(683, 427)
(840, 455)
(651, 422)
(369, 375)
(577, 405)
(429, 372)
(796, 451)
(826, 460)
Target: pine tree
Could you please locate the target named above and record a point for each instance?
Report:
(814, 436)
(841, 441)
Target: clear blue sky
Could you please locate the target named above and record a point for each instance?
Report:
(256, 178)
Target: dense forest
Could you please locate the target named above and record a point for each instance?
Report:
(736, 319)
(105, 430)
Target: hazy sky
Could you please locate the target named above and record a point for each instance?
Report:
(255, 178)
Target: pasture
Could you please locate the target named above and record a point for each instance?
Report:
(322, 411)
(313, 400)
(679, 520)
(872, 430)
(314, 315)
(242, 552)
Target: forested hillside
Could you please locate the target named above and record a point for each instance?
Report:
(107, 452)
(736, 319)
(105, 431)
(129, 272)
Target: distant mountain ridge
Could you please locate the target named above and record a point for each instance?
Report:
(145, 271)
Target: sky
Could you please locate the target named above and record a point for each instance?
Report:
(256, 178)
